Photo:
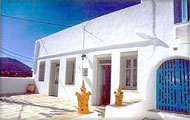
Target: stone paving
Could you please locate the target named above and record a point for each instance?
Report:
(37, 107)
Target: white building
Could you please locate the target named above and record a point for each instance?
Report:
(140, 47)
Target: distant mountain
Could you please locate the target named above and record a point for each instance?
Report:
(13, 68)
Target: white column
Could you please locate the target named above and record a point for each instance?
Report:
(47, 76)
(78, 74)
(115, 74)
(62, 74)
(95, 94)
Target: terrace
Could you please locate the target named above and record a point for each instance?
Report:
(41, 107)
(15, 104)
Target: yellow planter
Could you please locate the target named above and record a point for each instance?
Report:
(119, 97)
(83, 99)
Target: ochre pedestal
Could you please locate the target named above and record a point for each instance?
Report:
(119, 97)
(83, 99)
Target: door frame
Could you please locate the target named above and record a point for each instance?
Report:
(52, 84)
(98, 78)
(103, 80)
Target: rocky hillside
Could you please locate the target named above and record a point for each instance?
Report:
(13, 68)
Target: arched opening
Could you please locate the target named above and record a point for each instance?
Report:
(173, 86)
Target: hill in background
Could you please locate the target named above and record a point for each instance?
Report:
(10, 67)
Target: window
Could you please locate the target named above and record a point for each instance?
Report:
(42, 71)
(70, 71)
(181, 11)
(128, 72)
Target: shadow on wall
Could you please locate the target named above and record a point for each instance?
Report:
(87, 79)
(154, 17)
(151, 83)
(36, 88)
(63, 86)
(36, 55)
(188, 50)
(145, 43)
(151, 89)
(89, 83)
(78, 68)
(90, 63)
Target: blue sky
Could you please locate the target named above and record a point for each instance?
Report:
(19, 36)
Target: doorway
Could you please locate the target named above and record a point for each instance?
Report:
(106, 84)
(103, 79)
(54, 78)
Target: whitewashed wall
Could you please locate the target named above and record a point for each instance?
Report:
(43, 86)
(14, 85)
(118, 33)
(117, 27)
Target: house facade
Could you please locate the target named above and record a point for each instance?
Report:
(145, 48)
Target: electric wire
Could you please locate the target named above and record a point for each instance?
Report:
(15, 57)
(95, 36)
(35, 21)
(16, 53)
(49, 23)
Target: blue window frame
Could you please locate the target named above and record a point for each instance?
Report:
(181, 11)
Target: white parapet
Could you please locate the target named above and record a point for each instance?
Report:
(90, 116)
(14, 85)
(136, 110)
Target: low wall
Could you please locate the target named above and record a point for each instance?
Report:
(10, 85)
(135, 111)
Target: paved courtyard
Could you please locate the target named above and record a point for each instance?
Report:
(37, 107)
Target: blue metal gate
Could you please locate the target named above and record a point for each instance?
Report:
(173, 86)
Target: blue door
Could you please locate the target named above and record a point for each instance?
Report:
(173, 86)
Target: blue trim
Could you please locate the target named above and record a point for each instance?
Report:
(184, 12)
(177, 11)
(188, 9)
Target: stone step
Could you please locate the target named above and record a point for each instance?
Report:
(165, 115)
(147, 118)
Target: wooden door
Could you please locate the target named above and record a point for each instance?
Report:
(106, 84)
